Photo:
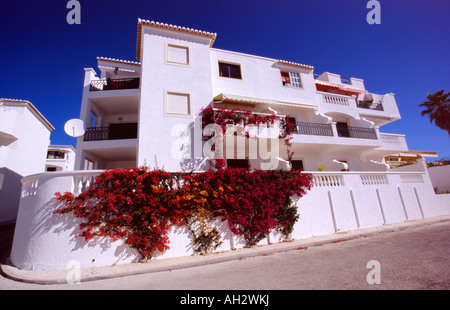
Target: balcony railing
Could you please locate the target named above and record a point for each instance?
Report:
(370, 105)
(315, 129)
(110, 84)
(96, 133)
(370, 101)
(318, 129)
(356, 132)
(112, 132)
(336, 99)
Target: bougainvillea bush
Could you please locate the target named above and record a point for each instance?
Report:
(242, 117)
(140, 205)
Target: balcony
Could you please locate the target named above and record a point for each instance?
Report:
(314, 129)
(111, 132)
(340, 100)
(393, 142)
(346, 131)
(342, 129)
(113, 84)
(334, 138)
(382, 107)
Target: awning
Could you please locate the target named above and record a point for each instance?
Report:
(341, 87)
(253, 100)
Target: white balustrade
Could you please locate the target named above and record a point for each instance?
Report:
(325, 180)
(373, 179)
(387, 138)
(412, 178)
(336, 99)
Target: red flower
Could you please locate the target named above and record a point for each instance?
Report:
(123, 203)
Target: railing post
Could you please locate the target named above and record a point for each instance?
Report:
(334, 129)
(377, 132)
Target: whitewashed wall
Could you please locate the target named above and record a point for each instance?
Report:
(339, 201)
(159, 77)
(260, 78)
(440, 178)
(23, 155)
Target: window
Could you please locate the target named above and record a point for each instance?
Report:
(88, 164)
(178, 104)
(177, 54)
(291, 79)
(294, 124)
(297, 164)
(342, 129)
(93, 119)
(55, 155)
(230, 70)
(123, 131)
(238, 163)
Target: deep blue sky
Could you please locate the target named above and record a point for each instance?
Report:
(42, 57)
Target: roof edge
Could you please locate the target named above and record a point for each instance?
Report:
(143, 22)
(32, 108)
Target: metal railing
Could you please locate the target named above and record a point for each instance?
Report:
(96, 133)
(315, 129)
(129, 131)
(356, 132)
(110, 84)
(319, 129)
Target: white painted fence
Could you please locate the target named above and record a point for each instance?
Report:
(338, 201)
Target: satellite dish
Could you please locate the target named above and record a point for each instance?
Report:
(75, 128)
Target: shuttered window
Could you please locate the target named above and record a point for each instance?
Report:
(177, 103)
(178, 54)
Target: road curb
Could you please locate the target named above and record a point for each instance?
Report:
(108, 272)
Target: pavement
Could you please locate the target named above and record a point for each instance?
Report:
(100, 273)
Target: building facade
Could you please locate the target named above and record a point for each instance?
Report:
(148, 112)
(60, 158)
(140, 111)
(24, 139)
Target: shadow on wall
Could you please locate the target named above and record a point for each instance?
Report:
(47, 229)
(10, 189)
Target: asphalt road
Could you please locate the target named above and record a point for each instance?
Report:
(416, 258)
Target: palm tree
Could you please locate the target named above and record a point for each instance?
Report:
(438, 109)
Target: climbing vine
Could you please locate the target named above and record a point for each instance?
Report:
(243, 118)
(140, 205)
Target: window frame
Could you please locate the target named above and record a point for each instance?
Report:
(93, 119)
(291, 78)
(56, 154)
(219, 62)
(166, 103)
(166, 56)
(87, 163)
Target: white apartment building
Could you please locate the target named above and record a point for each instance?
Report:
(139, 111)
(24, 140)
(60, 158)
(136, 111)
